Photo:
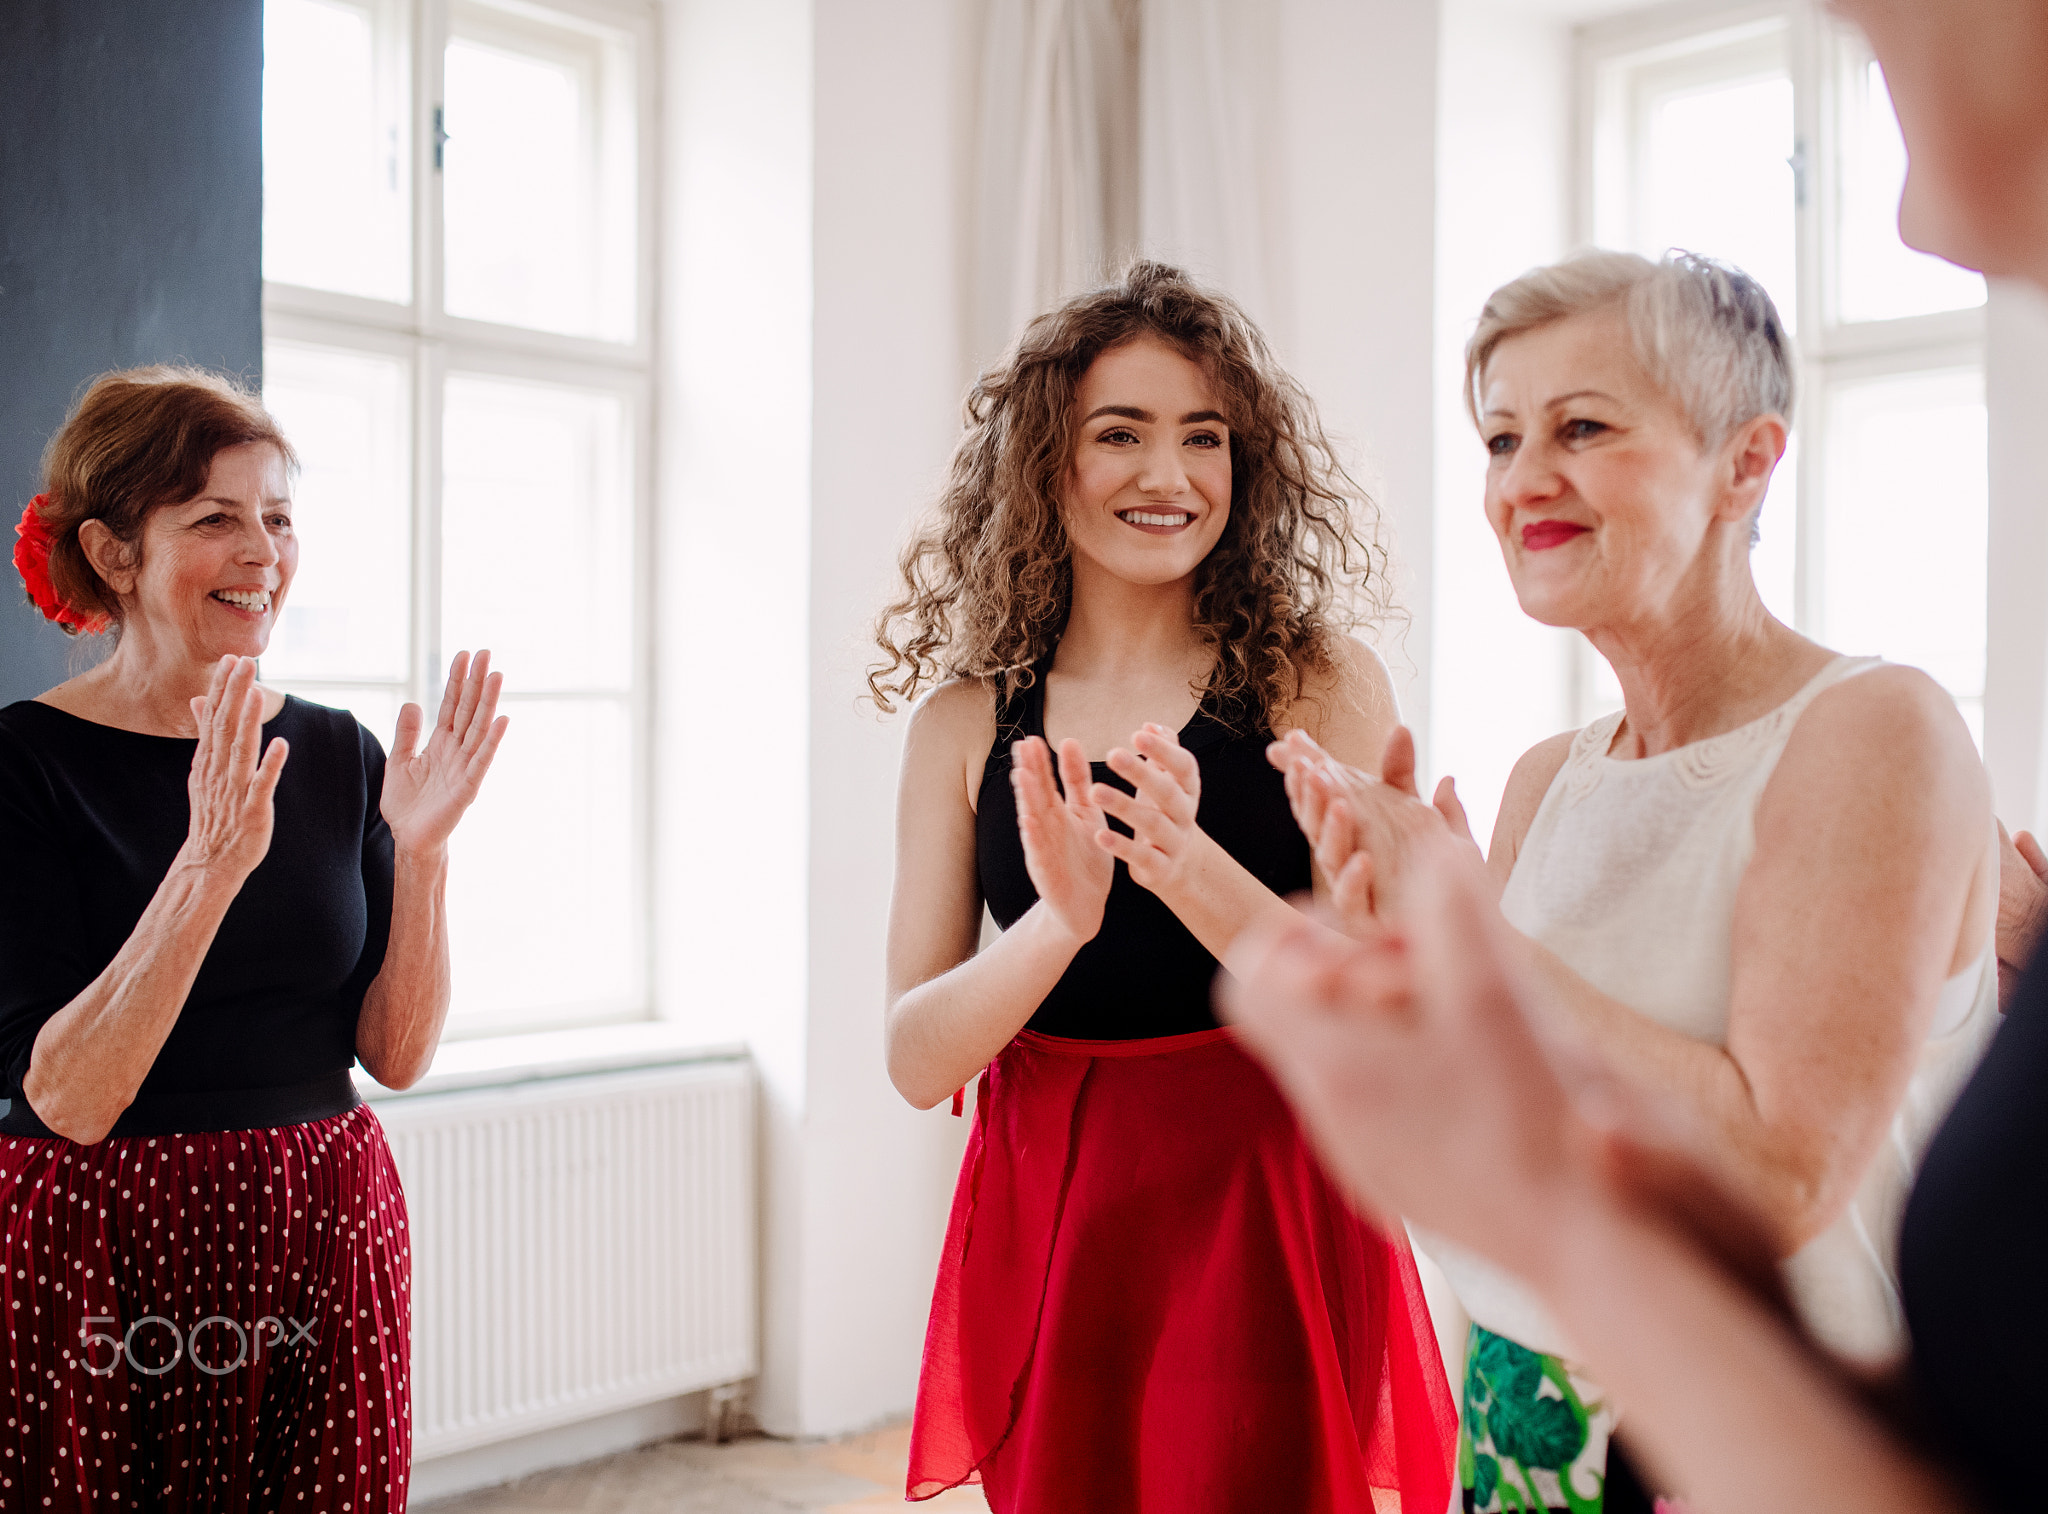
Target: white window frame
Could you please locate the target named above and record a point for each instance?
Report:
(434, 344)
(1820, 53)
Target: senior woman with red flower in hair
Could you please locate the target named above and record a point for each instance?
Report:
(213, 899)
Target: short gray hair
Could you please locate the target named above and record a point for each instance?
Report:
(1705, 332)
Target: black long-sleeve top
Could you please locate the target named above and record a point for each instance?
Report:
(1973, 1262)
(90, 819)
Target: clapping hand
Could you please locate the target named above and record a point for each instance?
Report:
(1364, 829)
(1412, 1058)
(230, 787)
(1068, 866)
(1164, 835)
(427, 789)
(1434, 1085)
(2022, 906)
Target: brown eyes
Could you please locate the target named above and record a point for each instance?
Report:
(1121, 437)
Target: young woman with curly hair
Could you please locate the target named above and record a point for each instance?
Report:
(1150, 1297)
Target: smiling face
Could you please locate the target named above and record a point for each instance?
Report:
(1597, 486)
(1148, 493)
(210, 574)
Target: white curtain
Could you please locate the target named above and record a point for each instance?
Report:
(1057, 157)
(1110, 128)
(1208, 174)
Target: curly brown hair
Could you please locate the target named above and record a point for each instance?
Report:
(989, 575)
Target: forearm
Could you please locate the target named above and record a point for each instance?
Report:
(942, 1032)
(1216, 897)
(92, 1055)
(1735, 1412)
(407, 1003)
(1703, 1094)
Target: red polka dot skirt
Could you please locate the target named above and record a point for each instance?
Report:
(206, 1322)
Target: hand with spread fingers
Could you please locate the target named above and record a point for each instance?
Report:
(1060, 832)
(1165, 837)
(1364, 828)
(428, 788)
(231, 786)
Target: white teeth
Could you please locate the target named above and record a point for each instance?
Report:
(1154, 518)
(244, 599)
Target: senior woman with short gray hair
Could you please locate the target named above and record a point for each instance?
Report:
(1761, 895)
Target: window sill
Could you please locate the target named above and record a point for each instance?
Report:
(535, 1056)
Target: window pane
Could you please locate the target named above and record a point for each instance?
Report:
(1881, 277)
(1715, 178)
(1905, 524)
(540, 176)
(537, 531)
(541, 903)
(348, 613)
(336, 187)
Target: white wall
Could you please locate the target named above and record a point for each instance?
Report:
(1503, 160)
(889, 373)
(2016, 674)
(811, 383)
(1358, 101)
(733, 592)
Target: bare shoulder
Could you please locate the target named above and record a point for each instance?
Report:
(1897, 716)
(1896, 730)
(950, 732)
(1530, 780)
(1347, 705)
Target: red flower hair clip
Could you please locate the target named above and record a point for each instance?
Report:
(32, 560)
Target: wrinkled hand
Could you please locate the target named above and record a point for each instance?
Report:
(1164, 836)
(2022, 906)
(1412, 1059)
(230, 787)
(1068, 866)
(427, 789)
(1364, 829)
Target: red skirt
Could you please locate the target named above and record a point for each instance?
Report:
(1152, 1299)
(206, 1322)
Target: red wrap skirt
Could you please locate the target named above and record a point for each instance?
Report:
(1152, 1299)
(206, 1322)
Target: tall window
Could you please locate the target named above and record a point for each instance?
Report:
(1764, 136)
(458, 342)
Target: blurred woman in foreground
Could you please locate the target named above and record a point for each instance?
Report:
(1428, 1059)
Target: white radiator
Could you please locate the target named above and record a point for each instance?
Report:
(579, 1245)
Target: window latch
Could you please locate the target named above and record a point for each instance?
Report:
(440, 137)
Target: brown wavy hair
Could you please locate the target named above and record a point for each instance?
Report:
(136, 441)
(988, 577)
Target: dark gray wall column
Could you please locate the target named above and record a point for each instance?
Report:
(131, 226)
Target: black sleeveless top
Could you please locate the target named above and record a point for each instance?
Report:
(1144, 974)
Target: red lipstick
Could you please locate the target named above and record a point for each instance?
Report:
(1542, 535)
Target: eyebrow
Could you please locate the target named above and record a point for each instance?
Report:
(1133, 413)
(1553, 403)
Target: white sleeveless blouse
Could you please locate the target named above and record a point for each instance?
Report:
(1629, 874)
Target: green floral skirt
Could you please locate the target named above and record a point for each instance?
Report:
(1533, 1437)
